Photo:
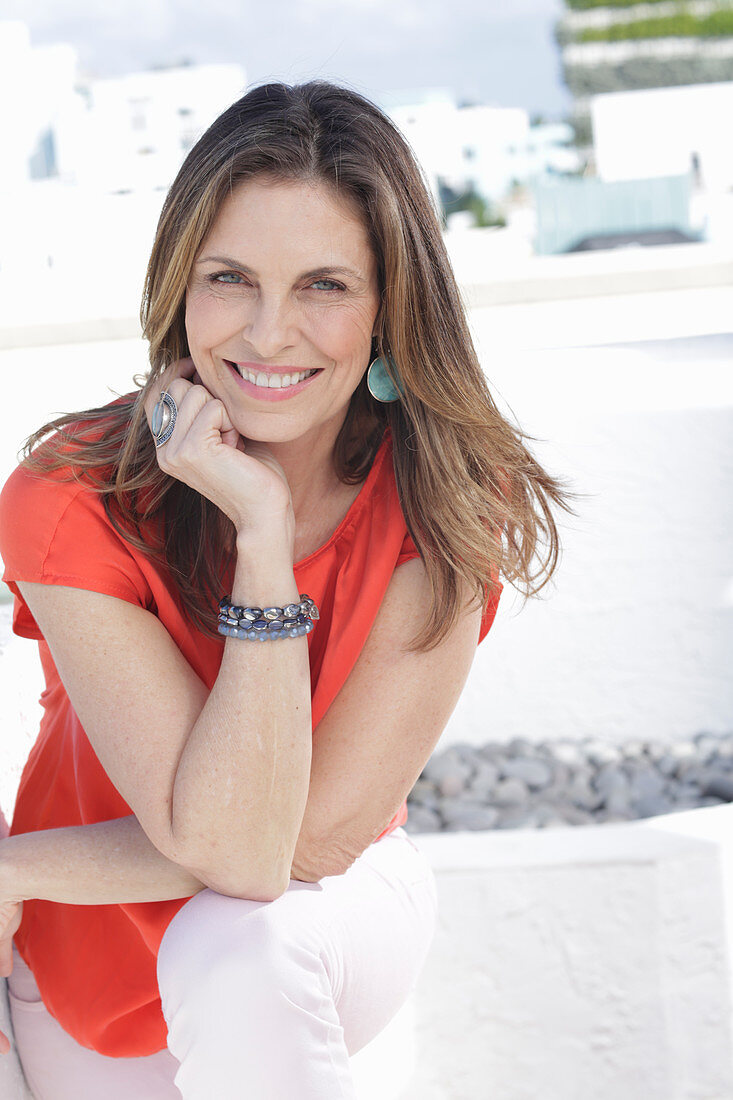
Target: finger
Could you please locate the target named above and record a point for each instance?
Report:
(180, 368)
(176, 389)
(190, 403)
(204, 421)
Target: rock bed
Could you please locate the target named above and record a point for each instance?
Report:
(525, 785)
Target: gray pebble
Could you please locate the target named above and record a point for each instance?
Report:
(618, 801)
(581, 793)
(668, 764)
(438, 767)
(573, 815)
(452, 807)
(511, 791)
(474, 818)
(519, 746)
(646, 783)
(533, 772)
(653, 805)
(544, 815)
(719, 786)
(514, 817)
(484, 779)
(453, 782)
(422, 820)
(706, 745)
(610, 779)
(423, 792)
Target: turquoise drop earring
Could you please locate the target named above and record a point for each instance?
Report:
(379, 383)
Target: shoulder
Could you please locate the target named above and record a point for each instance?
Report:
(53, 486)
(31, 507)
(54, 529)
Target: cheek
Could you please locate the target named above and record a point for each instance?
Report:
(207, 318)
(343, 336)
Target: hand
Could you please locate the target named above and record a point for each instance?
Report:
(11, 914)
(205, 451)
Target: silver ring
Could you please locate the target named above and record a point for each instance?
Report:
(163, 419)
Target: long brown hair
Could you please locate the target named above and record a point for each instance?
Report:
(475, 501)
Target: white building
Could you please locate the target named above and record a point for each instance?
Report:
(86, 161)
(129, 133)
(479, 147)
(138, 128)
(37, 92)
(665, 131)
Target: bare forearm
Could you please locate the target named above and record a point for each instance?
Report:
(241, 784)
(108, 863)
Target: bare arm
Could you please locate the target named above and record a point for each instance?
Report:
(217, 779)
(109, 863)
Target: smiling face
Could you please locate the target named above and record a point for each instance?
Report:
(285, 283)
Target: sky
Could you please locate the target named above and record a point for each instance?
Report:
(488, 51)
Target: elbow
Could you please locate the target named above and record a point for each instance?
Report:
(246, 891)
(231, 883)
(236, 874)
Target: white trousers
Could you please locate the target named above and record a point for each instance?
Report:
(269, 999)
(263, 1000)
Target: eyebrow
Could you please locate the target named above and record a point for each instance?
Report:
(317, 271)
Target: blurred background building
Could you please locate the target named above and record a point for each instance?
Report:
(629, 45)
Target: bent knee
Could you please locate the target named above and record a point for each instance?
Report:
(214, 938)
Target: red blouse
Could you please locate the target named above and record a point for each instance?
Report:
(96, 965)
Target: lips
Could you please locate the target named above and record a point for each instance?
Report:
(269, 392)
(273, 379)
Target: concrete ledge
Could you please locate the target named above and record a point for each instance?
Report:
(83, 330)
(578, 962)
(596, 274)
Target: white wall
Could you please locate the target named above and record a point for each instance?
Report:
(634, 637)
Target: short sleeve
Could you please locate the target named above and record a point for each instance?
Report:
(57, 532)
(409, 550)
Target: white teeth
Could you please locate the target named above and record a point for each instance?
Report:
(273, 381)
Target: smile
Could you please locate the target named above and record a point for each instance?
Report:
(271, 386)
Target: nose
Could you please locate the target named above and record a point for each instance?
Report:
(268, 326)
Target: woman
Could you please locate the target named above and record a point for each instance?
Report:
(220, 898)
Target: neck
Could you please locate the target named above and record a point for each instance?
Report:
(309, 468)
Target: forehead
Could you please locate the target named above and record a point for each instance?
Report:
(298, 214)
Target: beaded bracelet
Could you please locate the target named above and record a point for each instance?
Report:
(267, 623)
